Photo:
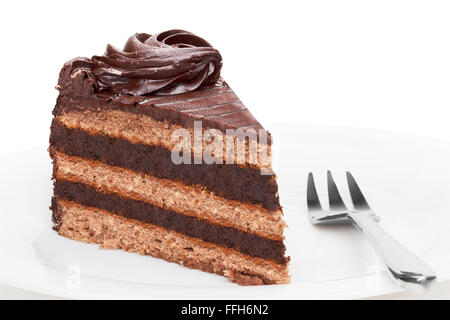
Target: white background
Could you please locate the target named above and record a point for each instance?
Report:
(375, 64)
(372, 64)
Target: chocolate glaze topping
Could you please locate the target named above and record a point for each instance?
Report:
(166, 63)
(173, 76)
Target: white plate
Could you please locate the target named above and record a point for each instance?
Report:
(405, 178)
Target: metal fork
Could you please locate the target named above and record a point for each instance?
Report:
(404, 267)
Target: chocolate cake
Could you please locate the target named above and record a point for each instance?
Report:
(154, 153)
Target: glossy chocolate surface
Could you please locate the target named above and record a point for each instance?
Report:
(166, 63)
(173, 75)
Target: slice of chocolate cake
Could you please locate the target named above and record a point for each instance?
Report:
(154, 153)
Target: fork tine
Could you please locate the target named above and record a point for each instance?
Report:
(334, 197)
(359, 202)
(312, 198)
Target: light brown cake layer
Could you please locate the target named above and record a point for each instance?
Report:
(173, 195)
(115, 232)
(138, 128)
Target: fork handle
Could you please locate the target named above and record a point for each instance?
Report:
(408, 270)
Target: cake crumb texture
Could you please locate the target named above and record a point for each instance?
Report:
(114, 232)
(138, 128)
(164, 193)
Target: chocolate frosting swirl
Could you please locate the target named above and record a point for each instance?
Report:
(170, 62)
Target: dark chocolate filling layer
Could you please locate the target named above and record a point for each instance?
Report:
(228, 180)
(250, 244)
